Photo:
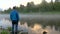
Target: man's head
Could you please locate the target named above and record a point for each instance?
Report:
(14, 7)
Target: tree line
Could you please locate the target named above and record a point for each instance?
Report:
(42, 7)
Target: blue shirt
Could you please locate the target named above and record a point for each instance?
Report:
(14, 15)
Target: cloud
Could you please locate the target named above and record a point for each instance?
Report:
(5, 4)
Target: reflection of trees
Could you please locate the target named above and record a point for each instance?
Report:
(43, 22)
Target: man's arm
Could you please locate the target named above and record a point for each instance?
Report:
(17, 16)
(10, 16)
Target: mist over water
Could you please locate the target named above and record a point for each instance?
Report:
(36, 29)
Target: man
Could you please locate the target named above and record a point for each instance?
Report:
(14, 16)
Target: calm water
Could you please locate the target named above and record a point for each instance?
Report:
(36, 29)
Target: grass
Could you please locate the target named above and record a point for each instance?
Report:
(40, 12)
(4, 32)
(48, 12)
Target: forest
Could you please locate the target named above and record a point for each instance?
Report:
(42, 7)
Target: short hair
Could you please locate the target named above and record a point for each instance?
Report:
(14, 7)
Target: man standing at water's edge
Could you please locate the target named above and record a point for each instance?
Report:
(14, 16)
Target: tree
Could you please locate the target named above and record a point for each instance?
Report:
(7, 11)
(22, 8)
(30, 6)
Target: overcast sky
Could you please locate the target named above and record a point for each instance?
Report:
(5, 4)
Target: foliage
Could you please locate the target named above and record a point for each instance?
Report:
(9, 28)
(43, 7)
(4, 32)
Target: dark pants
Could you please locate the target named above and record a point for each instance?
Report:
(14, 26)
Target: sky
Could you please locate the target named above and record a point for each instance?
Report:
(5, 4)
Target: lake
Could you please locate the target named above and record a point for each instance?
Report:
(33, 23)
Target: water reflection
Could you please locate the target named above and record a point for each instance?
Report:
(36, 29)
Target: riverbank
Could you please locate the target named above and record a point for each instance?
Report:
(48, 12)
